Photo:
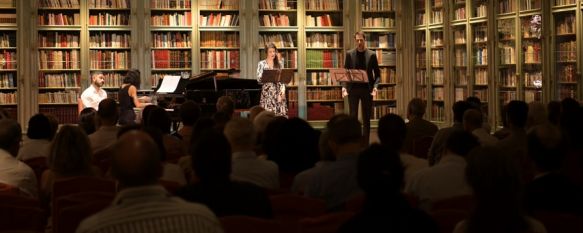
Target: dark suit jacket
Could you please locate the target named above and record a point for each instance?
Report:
(372, 67)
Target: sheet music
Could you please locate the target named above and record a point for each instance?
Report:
(169, 84)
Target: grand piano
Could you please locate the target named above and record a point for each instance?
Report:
(206, 88)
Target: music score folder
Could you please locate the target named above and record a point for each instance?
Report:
(349, 75)
(277, 76)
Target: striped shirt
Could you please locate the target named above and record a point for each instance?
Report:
(151, 209)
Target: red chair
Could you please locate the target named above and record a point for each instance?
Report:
(38, 165)
(356, 203)
(329, 223)
(17, 200)
(22, 218)
(7, 189)
(290, 208)
(82, 184)
(246, 224)
(560, 222)
(464, 203)
(74, 200)
(69, 218)
(448, 219)
(421, 146)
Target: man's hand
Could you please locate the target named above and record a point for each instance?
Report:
(344, 92)
(374, 92)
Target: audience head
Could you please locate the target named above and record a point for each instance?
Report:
(254, 111)
(517, 113)
(326, 153)
(136, 160)
(154, 133)
(461, 142)
(54, 124)
(108, 112)
(475, 102)
(189, 112)
(261, 121)
(87, 120)
(537, 114)
(221, 119)
(146, 114)
(39, 127)
(380, 172)
(293, 145)
(554, 109)
(132, 77)
(70, 152)
(226, 104)
(545, 147)
(459, 108)
(241, 134)
(392, 131)
(211, 157)
(10, 136)
(472, 120)
(4, 114)
(416, 108)
(344, 130)
(159, 119)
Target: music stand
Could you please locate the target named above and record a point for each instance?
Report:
(277, 76)
(349, 75)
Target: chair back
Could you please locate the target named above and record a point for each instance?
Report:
(77, 199)
(448, 219)
(69, 218)
(290, 208)
(556, 222)
(329, 223)
(82, 184)
(464, 203)
(22, 218)
(247, 224)
(38, 165)
(6, 189)
(421, 146)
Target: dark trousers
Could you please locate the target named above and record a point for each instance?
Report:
(362, 93)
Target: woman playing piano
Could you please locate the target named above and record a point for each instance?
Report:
(272, 94)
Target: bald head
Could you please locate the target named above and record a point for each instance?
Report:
(136, 160)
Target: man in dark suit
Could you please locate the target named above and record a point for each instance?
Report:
(363, 59)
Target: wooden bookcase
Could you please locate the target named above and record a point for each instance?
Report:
(9, 57)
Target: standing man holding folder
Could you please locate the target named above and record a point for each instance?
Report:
(362, 59)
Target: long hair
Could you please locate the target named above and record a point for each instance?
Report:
(271, 45)
(132, 77)
(70, 153)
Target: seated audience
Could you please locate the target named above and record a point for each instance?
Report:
(537, 115)
(142, 203)
(417, 127)
(160, 119)
(12, 171)
(254, 111)
(473, 124)
(87, 120)
(477, 104)
(211, 160)
(189, 114)
(106, 133)
(39, 138)
(438, 145)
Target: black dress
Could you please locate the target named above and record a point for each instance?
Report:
(127, 115)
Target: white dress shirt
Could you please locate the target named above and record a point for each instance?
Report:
(34, 148)
(91, 97)
(18, 174)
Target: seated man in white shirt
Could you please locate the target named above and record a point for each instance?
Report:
(94, 93)
(246, 166)
(446, 178)
(12, 171)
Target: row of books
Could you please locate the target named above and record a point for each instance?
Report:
(64, 80)
(506, 6)
(110, 40)
(323, 5)
(219, 4)
(568, 92)
(481, 34)
(109, 3)
(384, 22)
(437, 58)
(566, 25)
(437, 77)
(324, 40)
(507, 78)
(164, 59)
(531, 4)
(386, 58)
(507, 96)
(459, 36)
(437, 112)
(59, 59)
(460, 77)
(382, 110)
(324, 59)
(58, 39)
(59, 3)
(107, 19)
(219, 20)
(385, 93)
(421, 92)
(420, 59)
(481, 93)
(437, 39)
(320, 21)
(461, 57)
(7, 3)
(420, 18)
(481, 56)
(110, 59)
(507, 54)
(315, 94)
(481, 10)
(65, 114)
(7, 39)
(7, 80)
(320, 79)
(274, 20)
(113, 79)
(220, 59)
(533, 79)
(532, 95)
(388, 75)
(7, 19)
(8, 98)
(290, 58)
(437, 3)
(219, 39)
(170, 4)
(437, 16)
(564, 2)
(460, 94)
(172, 40)
(277, 4)
(384, 41)
(171, 19)
(59, 97)
(59, 19)
(280, 40)
(8, 60)
(533, 53)
(460, 13)
(481, 77)
(567, 73)
(378, 5)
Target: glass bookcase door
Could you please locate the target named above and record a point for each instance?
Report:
(480, 56)
(528, 5)
(460, 68)
(532, 59)
(565, 55)
(437, 75)
(421, 64)
(507, 83)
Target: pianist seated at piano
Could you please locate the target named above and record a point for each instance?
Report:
(272, 94)
(128, 98)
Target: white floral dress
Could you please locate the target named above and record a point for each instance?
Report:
(271, 92)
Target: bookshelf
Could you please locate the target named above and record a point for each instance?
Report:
(8, 57)
(430, 54)
(324, 49)
(278, 24)
(59, 30)
(378, 22)
(110, 40)
(218, 25)
(566, 63)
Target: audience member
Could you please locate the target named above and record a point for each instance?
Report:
(391, 132)
(246, 166)
(211, 160)
(107, 117)
(516, 116)
(146, 114)
(88, 120)
(445, 179)
(39, 138)
(12, 171)
(254, 111)
(477, 104)
(227, 105)
(438, 145)
(136, 166)
(326, 157)
(185, 162)
(473, 124)
(380, 175)
(505, 131)
(417, 127)
(537, 115)
(554, 110)
(345, 141)
(189, 114)
(160, 119)
(497, 187)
